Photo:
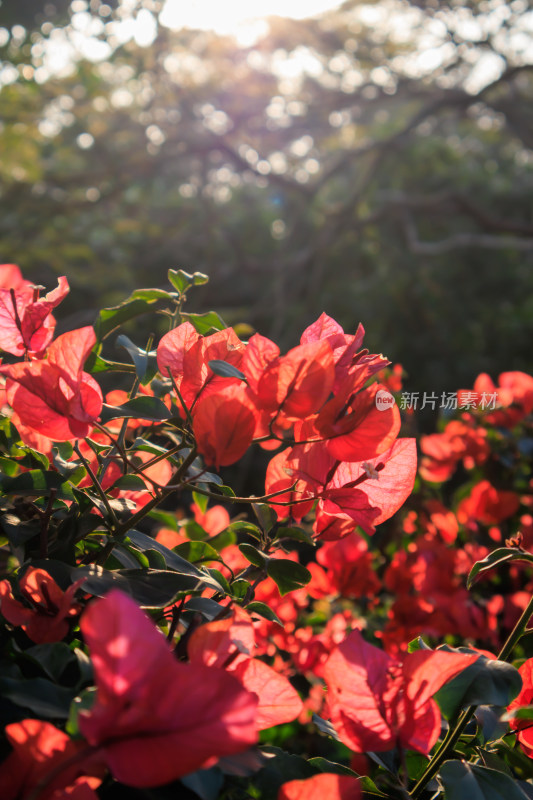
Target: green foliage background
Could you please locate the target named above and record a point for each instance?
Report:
(389, 183)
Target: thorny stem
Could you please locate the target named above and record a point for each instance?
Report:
(452, 737)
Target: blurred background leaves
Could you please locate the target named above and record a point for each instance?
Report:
(374, 162)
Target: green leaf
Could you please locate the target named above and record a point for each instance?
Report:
(502, 555)
(225, 370)
(144, 407)
(462, 780)
(222, 540)
(266, 516)
(241, 526)
(36, 483)
(239, 588)
(155, 559)
(96, 364)
(485, 682)
(83, 702)
(205, 783)
(173, 560)
(417, 644)
(131, 483)
(197, 551)
(253, 555)
(109, 319)
(262, 610)
(201, 500)
(140, 358)
(323, 765)
(182, 281)
(206, 323)
(52, 658)
(297, 534)
(152, 294)
(287, 575)
(17, 531)
(150, 588)
(39, 695)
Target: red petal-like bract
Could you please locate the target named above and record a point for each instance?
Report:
(325, 786)
(377, 702)
(297, 384)
(523, 727)
(47, 620)
(364, 431)
(374, 499)
(278, 700)
(224, 424)
(39, 749)
(54, 396)
(27, 325)
(230, 644)
(155, 718)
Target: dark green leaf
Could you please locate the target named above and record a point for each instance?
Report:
(52, 658)
(502, 555)
(486, 681)
(253, 555)
(132, 483)
(323, 765)
(206, 783)
(39, 695)
(140, 357)
(197, 551)
(110, 319)
(462, 780)
(225, 370)
(241, 526)
(144, 407)
(298, 534)
(266, 516)
(205, 606)
(17, 531)
(173, 560)
(287, 575)
(150, 588)
(262, 610)
(36, 483)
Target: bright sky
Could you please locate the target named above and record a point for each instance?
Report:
(238, 17)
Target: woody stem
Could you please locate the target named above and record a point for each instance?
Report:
(451, 738)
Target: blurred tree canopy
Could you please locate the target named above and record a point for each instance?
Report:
(375, 162)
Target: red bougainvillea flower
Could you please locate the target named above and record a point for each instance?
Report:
(54, 396)
(155, 718)
(39, 749)
(11, 277)
(26, 321)
(363, 493)
(186, 354)
(442, 451)
(377, 702)
(524, 727)
(325, 786)
(230, 643)
(224, 422)
(297, 384)
(487, 505)
(354, 428)
(46, 617)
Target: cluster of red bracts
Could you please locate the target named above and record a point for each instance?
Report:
(344, 451)
(156, 719)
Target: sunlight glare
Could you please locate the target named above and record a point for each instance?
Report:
(238, 18)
